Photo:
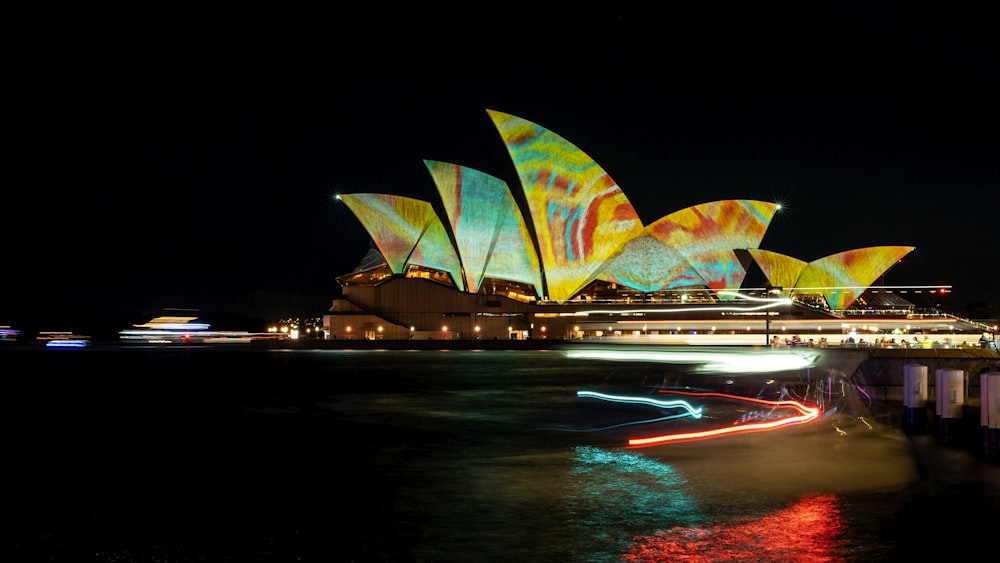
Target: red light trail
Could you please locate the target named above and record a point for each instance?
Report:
(805, 415)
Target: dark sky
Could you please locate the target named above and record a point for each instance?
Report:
(189, 158)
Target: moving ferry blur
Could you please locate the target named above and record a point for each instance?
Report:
(62, 339)
(8, 334)
(184, 330)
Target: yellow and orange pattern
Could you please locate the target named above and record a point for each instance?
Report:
(842, 277)
(582, 228)
(581, 216)
(407, 232)
(707, 235)
(781, 270)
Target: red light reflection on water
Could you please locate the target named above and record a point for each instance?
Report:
(809, 531)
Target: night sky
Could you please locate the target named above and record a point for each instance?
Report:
(190, 158)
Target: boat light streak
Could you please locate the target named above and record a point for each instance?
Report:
(807, 414)
(862, 390)
(692, 411)
(66, 344)
(765, 303)
(175, 326)
(736, 361)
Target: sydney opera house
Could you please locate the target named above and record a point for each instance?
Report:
(564, 255)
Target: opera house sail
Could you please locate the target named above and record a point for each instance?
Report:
(564, 235)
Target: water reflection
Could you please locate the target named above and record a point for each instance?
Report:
(501, 458)
(615, 492)
(808, 531)
(460, 456)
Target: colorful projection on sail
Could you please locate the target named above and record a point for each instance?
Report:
(492, 238)
(779, 269)
(693, 247)
(582, 228)
(707, 234)
(581, 217)
(844, 276)
(407, 232)
(647, 264)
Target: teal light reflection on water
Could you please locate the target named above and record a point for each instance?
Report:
(617, 493)
(621, 491)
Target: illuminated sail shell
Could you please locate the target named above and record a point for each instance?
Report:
(407, 232)
(647, 264)
(580, 216)
(585, 229)
(842, 277)
(781, 270)
(707, 234)
(489, 230)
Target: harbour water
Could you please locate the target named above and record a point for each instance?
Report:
(228, 454)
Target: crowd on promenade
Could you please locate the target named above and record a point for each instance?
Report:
(915, 343)
(796, 341)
